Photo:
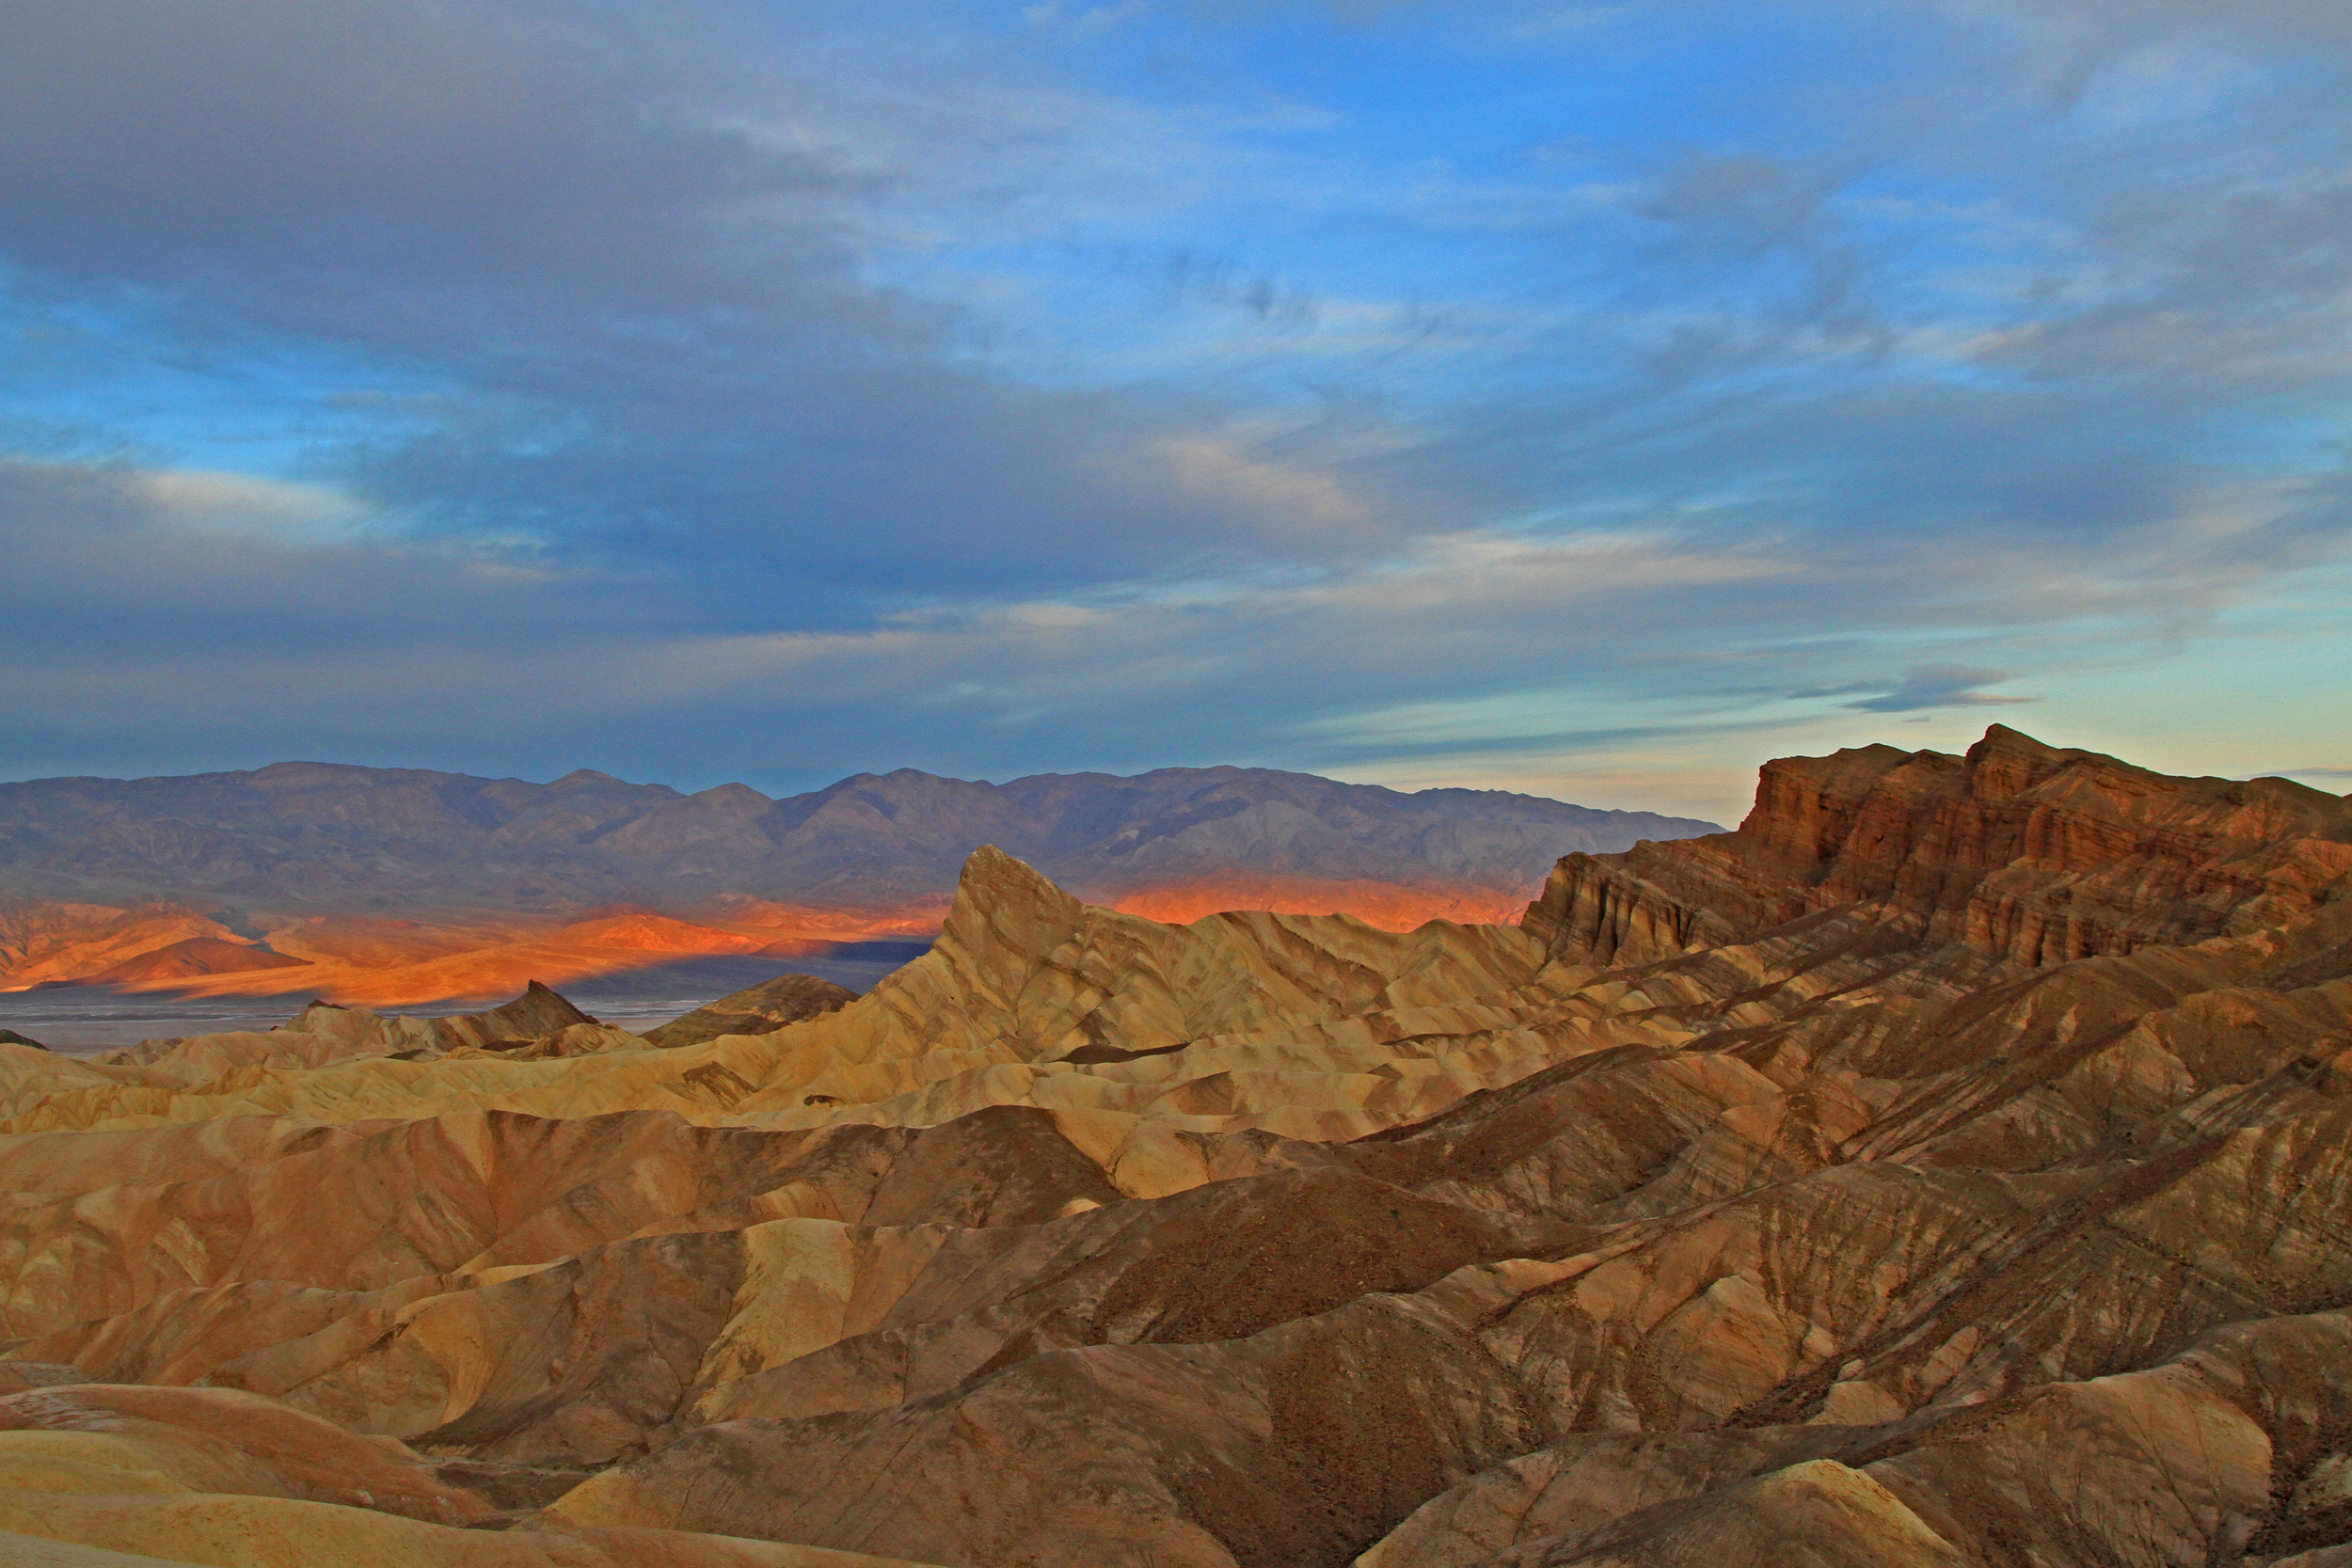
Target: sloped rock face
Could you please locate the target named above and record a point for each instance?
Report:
(2024, 852)
(192, 956)
(1951, 1166)
(760, 1009)
(324, 1034)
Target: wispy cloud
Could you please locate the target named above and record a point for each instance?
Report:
(1114, 385)
(1925, 686)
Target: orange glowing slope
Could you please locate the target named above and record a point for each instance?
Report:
(477, 959)
(44, 942)
(1386, 905)
(380, 960)
(195, 958)
(398, 886)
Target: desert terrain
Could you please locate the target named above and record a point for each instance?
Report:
(398, 887)
(1946, 1167)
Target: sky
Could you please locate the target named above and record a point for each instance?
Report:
(1590, 400)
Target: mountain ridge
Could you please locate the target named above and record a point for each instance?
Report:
(317, 866)
(300, 834)
(1946, 1167)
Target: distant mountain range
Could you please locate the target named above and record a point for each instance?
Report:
(325, 837)
(386, 885)
(1946, 1169)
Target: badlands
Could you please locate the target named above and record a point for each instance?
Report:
(1946, 1168)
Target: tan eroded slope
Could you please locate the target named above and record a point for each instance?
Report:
(1320, 1027)
(1951, 1166)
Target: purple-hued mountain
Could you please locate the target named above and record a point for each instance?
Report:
(325, 835)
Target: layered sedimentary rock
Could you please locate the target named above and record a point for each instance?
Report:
(535, 1025)
(1949, 1166)
(758, 1009)
(214, 1476)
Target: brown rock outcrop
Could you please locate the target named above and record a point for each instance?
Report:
(2024, 852)
(760, 1010)
(324, 1034)
(1951, 1166)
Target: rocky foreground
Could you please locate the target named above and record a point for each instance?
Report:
(1949, 1166)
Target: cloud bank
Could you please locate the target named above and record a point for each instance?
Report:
(1423, 393)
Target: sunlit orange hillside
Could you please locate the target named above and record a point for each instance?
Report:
(1386, 905)
(395, 887)
(354, 963)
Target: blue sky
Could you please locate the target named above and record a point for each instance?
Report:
(1594, 399)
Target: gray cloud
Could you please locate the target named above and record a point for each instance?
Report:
(717, 467)
(1928, 685)
(640, 265)
(368, 140)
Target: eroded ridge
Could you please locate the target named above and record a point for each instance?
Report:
(1948, 1166)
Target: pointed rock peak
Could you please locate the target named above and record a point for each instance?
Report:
(538, 1011)
(1003, 902)
(2000, 737)
(989, 871)
(2009, 761)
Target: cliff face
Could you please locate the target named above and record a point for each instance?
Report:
(2022, 853)
(1950, 1166)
